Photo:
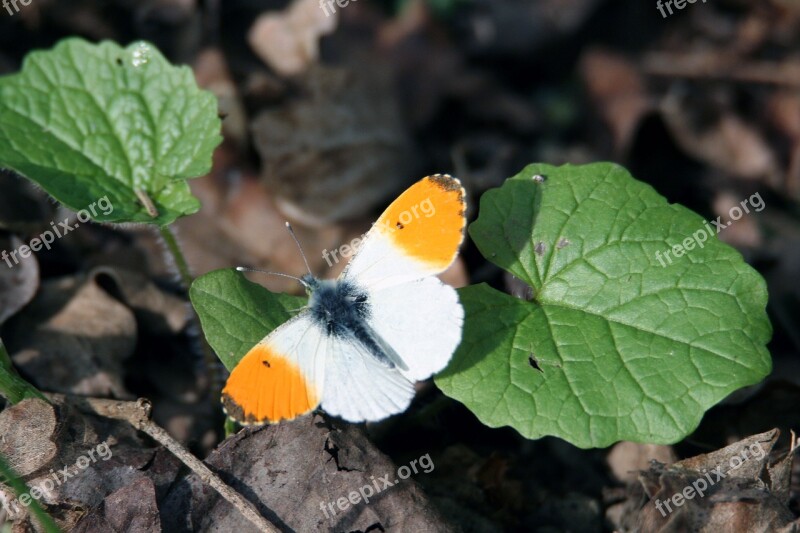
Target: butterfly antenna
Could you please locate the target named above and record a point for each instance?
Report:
(297, 242)
(246, 269)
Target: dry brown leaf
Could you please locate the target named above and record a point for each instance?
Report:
(338, 152)
(212, 73)
(784, 112)
(81, 461)
(28, 430)
(741, 233)
(73, 338)
(626, 459)
(618, 90)
(19, 282)
(728, 143)
(727, 489)
(289, 41)
(288, 470)
(156, 311)
(132, 508)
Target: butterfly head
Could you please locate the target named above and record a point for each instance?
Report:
(311, 283)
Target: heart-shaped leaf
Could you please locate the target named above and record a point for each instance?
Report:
(98, 122)
(235, 314)
(613, 345)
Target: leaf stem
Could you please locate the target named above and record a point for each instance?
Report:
(147, 202)
(177, 254)
(12, 387)
(214, 373)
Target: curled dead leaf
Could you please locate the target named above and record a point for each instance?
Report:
(730, 488)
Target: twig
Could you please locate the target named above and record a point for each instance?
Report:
(138, 415)
(722, 67)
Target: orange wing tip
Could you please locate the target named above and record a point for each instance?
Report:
(427, 221)
(447, 182)
(266, 387)
(235, 412)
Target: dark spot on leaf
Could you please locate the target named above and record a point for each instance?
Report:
(540, 248)
(563, 243)
(535, 364)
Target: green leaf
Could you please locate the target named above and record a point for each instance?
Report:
(628, 349)
(236, 314)
(90, 121)
(11, 479)
(12, 387)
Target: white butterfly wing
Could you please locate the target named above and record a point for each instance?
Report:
(422, 321)
(281, 377)
(358, 387)
(417, 236)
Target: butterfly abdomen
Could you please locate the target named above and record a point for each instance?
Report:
(342, 310)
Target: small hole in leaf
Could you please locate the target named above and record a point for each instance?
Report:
(534, 363)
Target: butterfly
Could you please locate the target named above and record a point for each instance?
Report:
(364, 338)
